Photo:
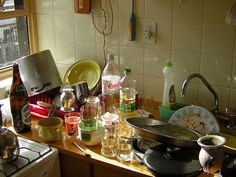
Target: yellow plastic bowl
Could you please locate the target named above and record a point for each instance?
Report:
(84, 70)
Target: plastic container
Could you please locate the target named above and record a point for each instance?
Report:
(111, 83)
(128, 92)
(166, 113)
(169, 98)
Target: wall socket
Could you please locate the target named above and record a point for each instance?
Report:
(149, 32)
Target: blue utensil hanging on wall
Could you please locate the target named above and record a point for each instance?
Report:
(132, 25)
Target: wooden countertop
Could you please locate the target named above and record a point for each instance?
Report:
(65, 146)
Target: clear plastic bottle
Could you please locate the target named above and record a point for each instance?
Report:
(128, 92)
(111, 83)
(169, 98)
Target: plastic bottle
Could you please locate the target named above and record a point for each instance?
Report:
(19, 103)
(111, 83)
(128, 92)
(169, 98)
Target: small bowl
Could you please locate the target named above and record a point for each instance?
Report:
(91, 136)
(50, 129)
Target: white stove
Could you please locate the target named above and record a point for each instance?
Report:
(35, 160)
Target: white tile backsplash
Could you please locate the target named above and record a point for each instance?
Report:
(193, 34)
(190, 10)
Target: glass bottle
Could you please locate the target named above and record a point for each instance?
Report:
(110, 83)
(128, 92)
(19, 102)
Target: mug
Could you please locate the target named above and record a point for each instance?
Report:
(50, 128)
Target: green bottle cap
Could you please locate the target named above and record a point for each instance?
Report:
(168, 64)
(127, 69)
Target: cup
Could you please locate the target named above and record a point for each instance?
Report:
(211, 155)
(72, 120)
(50, 129)
(124, 151)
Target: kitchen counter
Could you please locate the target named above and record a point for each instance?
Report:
(73, 162)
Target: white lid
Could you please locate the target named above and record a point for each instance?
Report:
(110, 118)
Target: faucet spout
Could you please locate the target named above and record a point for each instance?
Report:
(186, 82)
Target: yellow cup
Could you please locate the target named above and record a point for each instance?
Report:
(50, 129)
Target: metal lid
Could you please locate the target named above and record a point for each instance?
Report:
(39, 72)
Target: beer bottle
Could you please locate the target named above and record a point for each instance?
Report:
(19, 102)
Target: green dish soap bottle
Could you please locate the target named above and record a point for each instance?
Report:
(169, 97)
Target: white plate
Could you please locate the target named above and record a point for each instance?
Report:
(196, 118)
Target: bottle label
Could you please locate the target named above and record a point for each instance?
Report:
(172, 98)
(110, 84)
(127, 108)
(25, 112)
(20, 88)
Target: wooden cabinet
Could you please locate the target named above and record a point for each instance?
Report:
(73, 167)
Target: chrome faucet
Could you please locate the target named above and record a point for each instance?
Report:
(186, 82)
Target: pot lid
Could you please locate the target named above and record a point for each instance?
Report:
(163, 160)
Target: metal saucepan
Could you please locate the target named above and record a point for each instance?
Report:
(164, 132)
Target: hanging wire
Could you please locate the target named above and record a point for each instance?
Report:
(103, 31)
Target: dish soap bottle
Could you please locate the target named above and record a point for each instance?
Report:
(169, 97)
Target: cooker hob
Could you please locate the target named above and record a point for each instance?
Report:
(168, 160)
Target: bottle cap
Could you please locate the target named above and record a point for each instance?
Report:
(127, 69)
(168, 64)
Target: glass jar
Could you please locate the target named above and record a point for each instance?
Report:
(67, 99)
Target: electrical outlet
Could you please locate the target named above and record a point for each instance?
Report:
(149, 32)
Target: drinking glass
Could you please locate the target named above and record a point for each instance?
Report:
(124, 149)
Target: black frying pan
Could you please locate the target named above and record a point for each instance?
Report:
(164, 132)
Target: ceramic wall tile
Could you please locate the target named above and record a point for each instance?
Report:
(63, 7)
(161, 9)
(111, 31)
(61, 32)
(216, 10)
(126, 6)
(154, 60)
(218, 39)
(191, 95)
(185, 64)
(163, 34)
(187, 36)
(45, 24)
(217, 69)
(131, 57)
(193, 34)
(207, 98)
(44, 7)
(190, 10)
(84, 29)
(48, 44)
(86, 50)
(102, 57)
(153, 86)
(105, 4)
(232, 103)
(62, 68)
(233, 77)
(65, 52)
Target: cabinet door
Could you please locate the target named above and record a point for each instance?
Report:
(73, 167)
(108, 172)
